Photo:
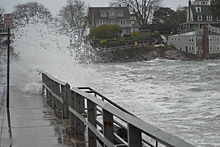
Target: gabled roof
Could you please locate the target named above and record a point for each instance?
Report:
(187, 34)
(194, 33)
(196, 2)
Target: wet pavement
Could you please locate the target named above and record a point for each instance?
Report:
(31, 123)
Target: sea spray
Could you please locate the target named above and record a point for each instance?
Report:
(40, 47)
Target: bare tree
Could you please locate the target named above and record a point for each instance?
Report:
(142, 9)
(73, 19)
(1, 16)
(31, 12)
(2, 10)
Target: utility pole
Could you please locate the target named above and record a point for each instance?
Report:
(8, 25)
(8, 69)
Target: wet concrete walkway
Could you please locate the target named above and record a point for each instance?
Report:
(31, 123)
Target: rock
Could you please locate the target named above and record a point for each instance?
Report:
(177, 55)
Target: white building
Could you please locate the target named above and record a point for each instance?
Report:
(192, 42)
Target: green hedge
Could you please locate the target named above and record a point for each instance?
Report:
(124, 41)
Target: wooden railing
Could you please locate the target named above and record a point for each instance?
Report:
(97, 121)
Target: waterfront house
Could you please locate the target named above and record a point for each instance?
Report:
(113, 15)
(198, 16)
(193, 42)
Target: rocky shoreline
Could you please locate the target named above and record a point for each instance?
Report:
(142, 54)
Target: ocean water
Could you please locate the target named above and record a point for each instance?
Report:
(180, 97)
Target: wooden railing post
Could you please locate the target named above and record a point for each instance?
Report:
(108, 125)
(56, 90)
(80, 108)
(66, 100)
(77, 126)
(72, 102)
(91, 111)
(134, 136)
(50, 85)
(48, 94)
(43, 81)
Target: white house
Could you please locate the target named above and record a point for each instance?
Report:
(193, 42)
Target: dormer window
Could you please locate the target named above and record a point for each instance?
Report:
(198, 9)
(203, 3)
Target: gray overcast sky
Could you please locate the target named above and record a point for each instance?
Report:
(55, 5)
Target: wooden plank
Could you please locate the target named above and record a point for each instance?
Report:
(79, 107)
(66, 100)
(134, 136)
(91, 111)
(108, 125)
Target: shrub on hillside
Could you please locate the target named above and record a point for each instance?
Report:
(107, 31)
(154, 35)
(135, 34)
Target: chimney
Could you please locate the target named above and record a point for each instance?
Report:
(205, 41)
(189, 10)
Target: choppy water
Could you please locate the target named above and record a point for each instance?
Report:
(180, 97)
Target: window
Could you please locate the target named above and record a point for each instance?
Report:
(218, 18)
(209, 18)
(203, 3)
(191, 39)
(198, 9)
(122, 22)
(103, 13)
(111, 13)
(210, 39)
(102, 22)
(210, 47)
(199, 18)
(112, 22)
(120, 14)
(218, 47)
(191, 48)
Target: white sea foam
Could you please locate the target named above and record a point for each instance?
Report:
(40, 47)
